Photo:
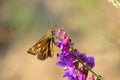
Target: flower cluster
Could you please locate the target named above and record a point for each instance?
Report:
(76, 64)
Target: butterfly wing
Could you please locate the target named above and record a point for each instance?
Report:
(43, 48)
(51, 50)
(37, 47)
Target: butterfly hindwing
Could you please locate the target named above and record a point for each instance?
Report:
(51, 53)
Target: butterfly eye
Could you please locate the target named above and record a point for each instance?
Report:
(53, 32)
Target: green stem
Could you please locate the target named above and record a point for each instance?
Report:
(88, 68)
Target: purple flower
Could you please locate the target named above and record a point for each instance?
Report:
(69, 71)
(58, 43)
(69, 58)
(81, 56)
(61, 63)
(65, 45)
(90, 62)
(61, 34)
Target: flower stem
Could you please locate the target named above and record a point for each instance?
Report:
(99, 77)
(89, 69)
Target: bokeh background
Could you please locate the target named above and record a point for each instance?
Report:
(94, 26)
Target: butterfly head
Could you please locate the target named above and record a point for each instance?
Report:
(53, 29)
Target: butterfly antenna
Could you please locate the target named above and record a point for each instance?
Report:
(49, 23)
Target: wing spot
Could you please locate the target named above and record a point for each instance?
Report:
(38, 45)
(39, 49)
(33, 49)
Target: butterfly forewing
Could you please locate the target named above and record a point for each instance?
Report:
(45, 51)
(44, 47)
(35, 49)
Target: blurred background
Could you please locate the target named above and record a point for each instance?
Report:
(94, 26)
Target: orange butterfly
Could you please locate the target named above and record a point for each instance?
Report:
(44, 47)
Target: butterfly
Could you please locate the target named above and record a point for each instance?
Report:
(44, 47)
